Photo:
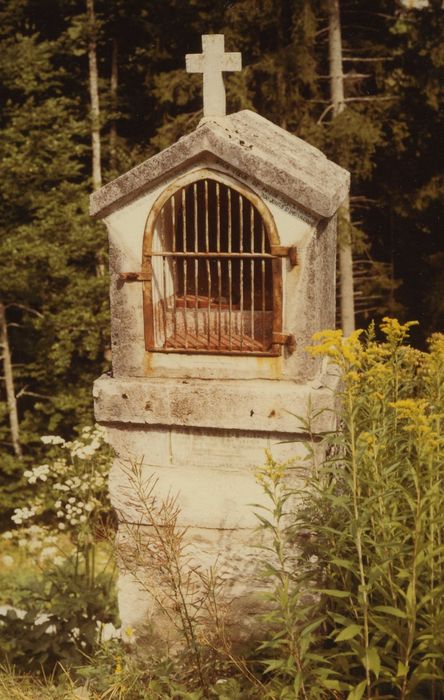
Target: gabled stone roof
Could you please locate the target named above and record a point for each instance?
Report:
(253, 146)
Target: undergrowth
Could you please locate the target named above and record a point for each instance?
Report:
(354, 559)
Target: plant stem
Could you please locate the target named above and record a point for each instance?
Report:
(359, 536)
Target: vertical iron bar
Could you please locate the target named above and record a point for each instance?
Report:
(196, 262)
(219, 270)
(185, 265)
(263, 284)
(230, 270)
(241, 264)
(173, 228)
(207, 248)
(252, 272)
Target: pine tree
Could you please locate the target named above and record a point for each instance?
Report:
(55, 306)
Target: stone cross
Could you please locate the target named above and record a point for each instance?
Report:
(212, 62)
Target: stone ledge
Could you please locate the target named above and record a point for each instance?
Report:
(252, 405)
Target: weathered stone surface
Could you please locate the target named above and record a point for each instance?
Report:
(208, 496)
(210, 562)
(253, 405)
(278, 161)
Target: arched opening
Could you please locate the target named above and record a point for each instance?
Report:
(212, 279)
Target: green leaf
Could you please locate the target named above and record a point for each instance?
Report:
(358, 692)
(390, 610)
(274, 664)
(348, 633)
(344, 563)
(333, 684)
(410, 597)
(334, 592)
(401, 671)
(372, 661)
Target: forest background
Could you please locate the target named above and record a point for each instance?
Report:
(54, 314)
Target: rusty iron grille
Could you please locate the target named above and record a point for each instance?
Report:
(211, 273)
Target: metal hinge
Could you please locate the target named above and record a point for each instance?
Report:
(286, 339)
(134, 277)
(286, 251)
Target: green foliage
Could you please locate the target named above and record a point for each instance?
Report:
(60, 613)
(358, 611)
(57, 618)
(384, 482)
(354, 557)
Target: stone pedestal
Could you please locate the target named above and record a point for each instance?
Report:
(199, 444)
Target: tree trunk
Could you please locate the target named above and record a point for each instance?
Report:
(344, 239)
(113, 90)
(9, 384)
(95, 115)
(94, 96)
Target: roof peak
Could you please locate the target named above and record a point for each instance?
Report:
(251, 146)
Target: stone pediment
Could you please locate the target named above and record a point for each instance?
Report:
(254, 148)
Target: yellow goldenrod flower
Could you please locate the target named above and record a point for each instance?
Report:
(396, 332)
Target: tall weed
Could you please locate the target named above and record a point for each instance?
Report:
(369, 531)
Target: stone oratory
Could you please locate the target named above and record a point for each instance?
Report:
(222, 264)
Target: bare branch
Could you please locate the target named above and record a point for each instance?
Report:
(324, 113)
(26, 308)
(23, 392)
(375, 98)
(368, 60)
(347, 75)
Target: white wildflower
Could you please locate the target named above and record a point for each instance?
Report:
(48, 552)
(128, 635)
(52, 440)
(8, 535)
(36, 473)
(60, 487)
(41, 619)
(60, 466)
(106, 631)
(4, 609)
(21, 514)
(7, 560)
(100, 432)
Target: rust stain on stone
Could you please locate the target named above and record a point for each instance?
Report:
(269, 366)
